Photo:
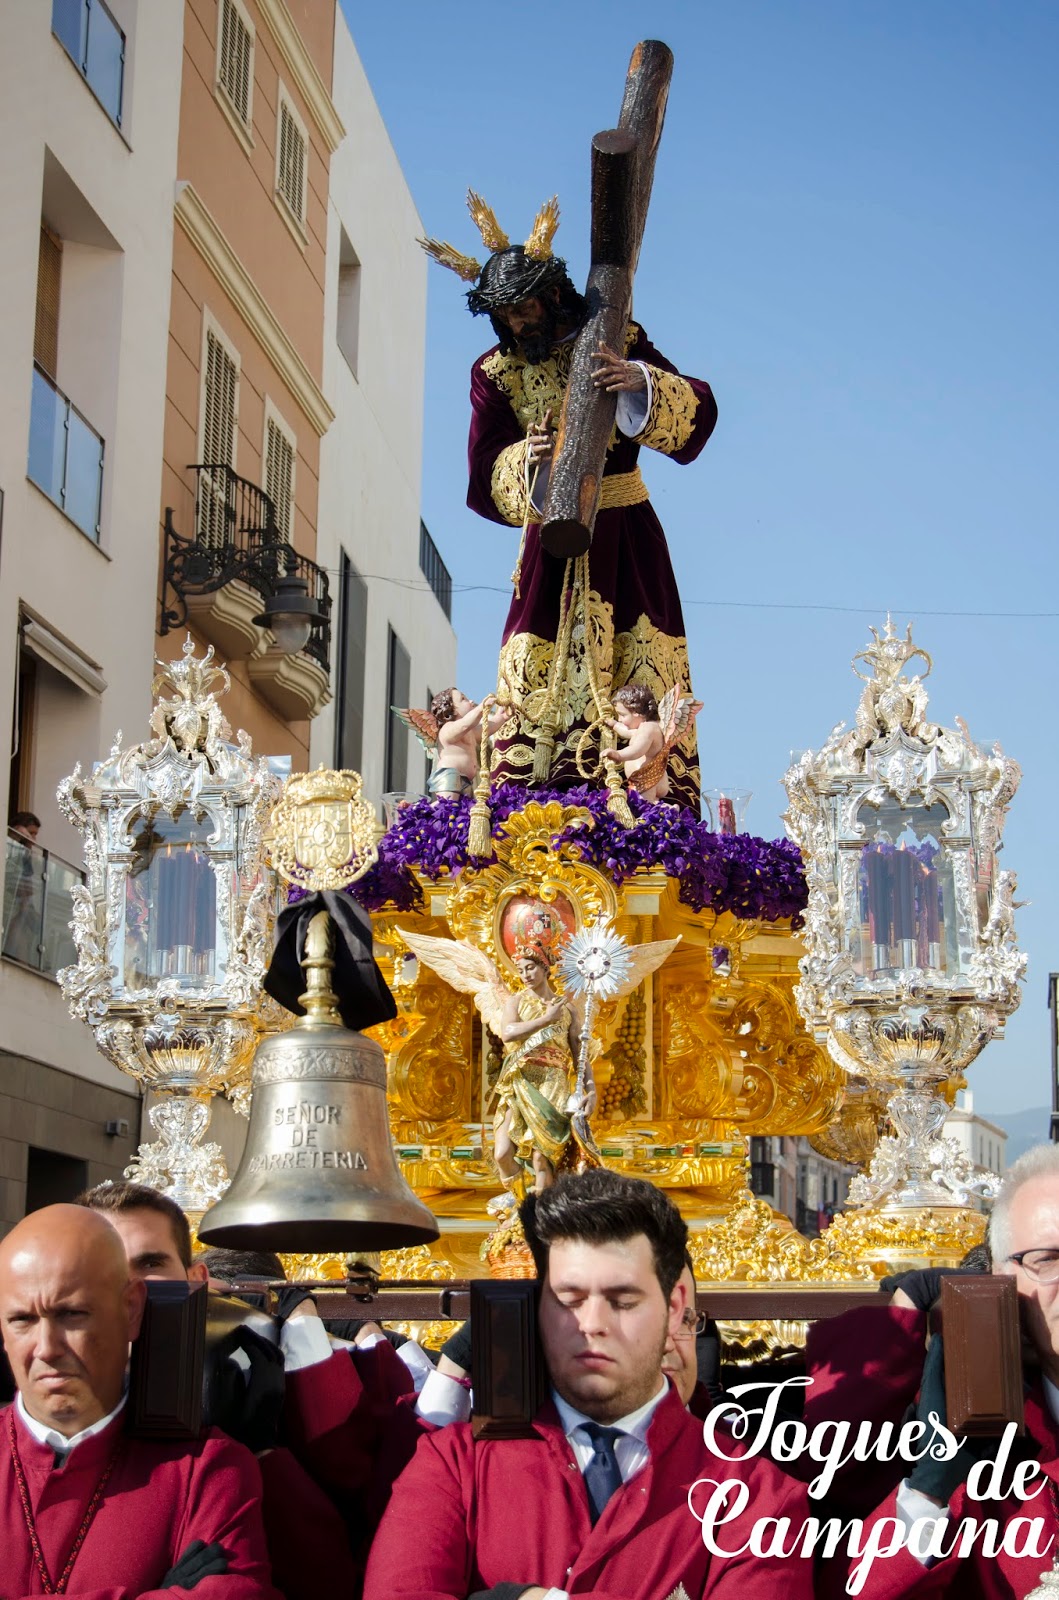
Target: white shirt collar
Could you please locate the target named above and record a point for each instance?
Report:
(636, 1423)
(59, 1442)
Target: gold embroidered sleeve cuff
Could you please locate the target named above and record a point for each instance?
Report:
(671, 418)
(509, 483)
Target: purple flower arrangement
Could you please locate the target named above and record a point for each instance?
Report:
(754, 879)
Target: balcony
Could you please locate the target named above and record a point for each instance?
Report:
(434, 570)
(65, 455)
(38, 906)
(96, 46)
(223, 579)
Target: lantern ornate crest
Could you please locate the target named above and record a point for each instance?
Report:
(173, 929)
(911, 965)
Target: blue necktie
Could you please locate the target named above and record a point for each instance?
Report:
(602, 1475)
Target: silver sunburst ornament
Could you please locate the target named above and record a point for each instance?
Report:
(596, 965)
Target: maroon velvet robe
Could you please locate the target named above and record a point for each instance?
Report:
(160, 1497)
(976, 1576)
(465, 1516)
(634, 607)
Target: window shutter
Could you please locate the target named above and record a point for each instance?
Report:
(292, 155)
(46, 324)
(236, 58)
(279, 477)
(218, 439)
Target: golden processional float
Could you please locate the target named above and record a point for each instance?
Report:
(679, 967)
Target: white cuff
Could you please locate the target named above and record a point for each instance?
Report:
(918, 1511)
(556, 1594)
(537, 488)
(304, 1343)
(634, 407)
(443, 1400)
(417, 1361)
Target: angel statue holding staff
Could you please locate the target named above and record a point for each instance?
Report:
(541, 1035)
(546, 1090)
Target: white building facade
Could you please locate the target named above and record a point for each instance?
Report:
(981, 1141)
(393, 638)
(90, 103)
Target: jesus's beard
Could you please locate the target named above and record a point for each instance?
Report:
(536, 343)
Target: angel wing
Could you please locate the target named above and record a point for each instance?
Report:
(645, 959)
(422, 723)
(676, 712)
(465, 969)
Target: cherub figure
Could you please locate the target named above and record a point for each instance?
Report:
(651, 730)
(541, 1034)
(451, 732)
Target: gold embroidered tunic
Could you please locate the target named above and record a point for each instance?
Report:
(620, 603)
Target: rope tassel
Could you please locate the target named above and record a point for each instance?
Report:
(480, 827)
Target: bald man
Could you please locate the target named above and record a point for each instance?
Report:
(85, 1510)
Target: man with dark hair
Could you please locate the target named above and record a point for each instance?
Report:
(84, 1508)
(597, 1501)
(620, 602)
(153, 1229)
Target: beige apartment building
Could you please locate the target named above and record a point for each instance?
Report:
(202, 431)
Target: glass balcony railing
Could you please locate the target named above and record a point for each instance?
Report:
(65, 455)
(96, 46)
(38, 906)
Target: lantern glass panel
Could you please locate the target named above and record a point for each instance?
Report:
(170, 902)
(907, 897)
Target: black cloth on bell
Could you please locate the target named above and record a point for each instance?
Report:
(358, 984)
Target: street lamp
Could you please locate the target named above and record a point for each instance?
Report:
(911, 965)
(173, 928)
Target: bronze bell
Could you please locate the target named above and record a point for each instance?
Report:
(318, 1173)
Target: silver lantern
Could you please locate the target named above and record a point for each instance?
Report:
(911, 965)
(173, 928)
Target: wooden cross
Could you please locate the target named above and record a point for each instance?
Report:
(623, 166)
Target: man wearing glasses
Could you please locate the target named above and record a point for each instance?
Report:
(1024, 1241)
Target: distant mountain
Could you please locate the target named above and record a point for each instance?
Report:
(1023, 1128)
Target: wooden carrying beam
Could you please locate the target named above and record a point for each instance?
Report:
(165, 1375)
(623, 162)
(983, 1354)
(508, 1379)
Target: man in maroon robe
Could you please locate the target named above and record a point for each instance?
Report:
(85, 1510)
(621, 599)
(596, 1502)
(933, 1498)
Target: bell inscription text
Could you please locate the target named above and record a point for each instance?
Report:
(309, 1135)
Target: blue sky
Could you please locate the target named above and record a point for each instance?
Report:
(854, 237)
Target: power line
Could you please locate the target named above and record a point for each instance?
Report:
(744, 605)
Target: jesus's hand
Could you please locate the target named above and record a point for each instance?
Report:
(615, 374)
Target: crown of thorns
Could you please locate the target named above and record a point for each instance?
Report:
(513, 272)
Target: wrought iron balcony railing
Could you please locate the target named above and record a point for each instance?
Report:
(38, 906)
(237, 540)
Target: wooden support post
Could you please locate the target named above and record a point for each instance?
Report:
(508, 1379)
(983, 1354)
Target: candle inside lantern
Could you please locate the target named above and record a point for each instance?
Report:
(185, 899)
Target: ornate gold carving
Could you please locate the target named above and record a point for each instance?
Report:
(899, 1240)
(671, 419)
(756, 1246)
(430, 1078)
(528, 864)
(415, 1264)
(324, 833)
